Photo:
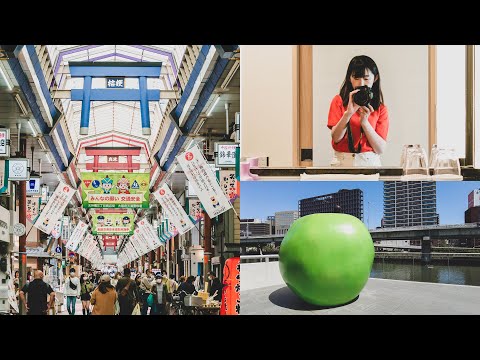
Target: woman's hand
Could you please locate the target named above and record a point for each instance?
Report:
(365, 112)
(352, 107)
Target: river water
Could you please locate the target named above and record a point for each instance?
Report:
(415, 271)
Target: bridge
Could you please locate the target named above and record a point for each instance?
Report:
(423, 233)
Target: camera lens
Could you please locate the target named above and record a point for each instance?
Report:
(364, 96)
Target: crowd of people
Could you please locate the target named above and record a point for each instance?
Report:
(120, 294)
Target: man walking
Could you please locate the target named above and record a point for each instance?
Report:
(128, 294)
(37, 291)
(72, 291)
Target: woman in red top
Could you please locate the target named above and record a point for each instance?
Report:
(359, 133)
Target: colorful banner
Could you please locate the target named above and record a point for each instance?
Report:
(174, 210)
(122, 224)
(195, 209)
(66, 228)
(228, 183)
(201, 177)
(76, 236)
(54, 208)
(33, 206)
(115, 190)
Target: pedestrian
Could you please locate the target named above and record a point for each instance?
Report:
(37, 291)
(128, 294)
(159, 292)
(104, 297)
(145, 290)
(86, 287)
(71, 290)
(215, 286)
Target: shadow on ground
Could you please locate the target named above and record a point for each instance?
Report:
(285, 298)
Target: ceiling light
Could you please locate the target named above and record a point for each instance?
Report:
(213, 106)
(9, 85)
(21, 105)
(34, 133)
(49, 158)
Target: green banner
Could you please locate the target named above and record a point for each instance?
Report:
(115, 190)
(121, 224)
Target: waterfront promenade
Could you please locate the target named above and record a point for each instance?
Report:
(263, 292)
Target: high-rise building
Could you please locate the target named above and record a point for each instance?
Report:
(283, 221)
(474, 198)
(472, 215)
(271, 221)
(409, 203)
(344, 201)
(254, 227)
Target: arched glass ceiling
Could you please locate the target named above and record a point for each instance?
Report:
(116, 116)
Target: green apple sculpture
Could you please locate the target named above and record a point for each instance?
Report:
(326, 259)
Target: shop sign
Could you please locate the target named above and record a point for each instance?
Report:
(225, 154)
(33, 208)
(228, 183)
(4, 142)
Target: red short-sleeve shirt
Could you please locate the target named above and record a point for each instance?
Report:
(378, 119)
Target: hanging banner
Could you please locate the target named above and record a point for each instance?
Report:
(54, 208)
(33, 208)
(228, 183)
(146, 230)
(115, 190)
(121, 224)
(204, 182)
(138, 245)
(76, 236)
(174, 210)
(66, 228)
(57, 229)
(195, 209)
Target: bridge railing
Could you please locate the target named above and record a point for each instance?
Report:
(245, 259)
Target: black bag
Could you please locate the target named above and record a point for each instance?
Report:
(72, 285)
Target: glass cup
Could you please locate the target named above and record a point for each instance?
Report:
(415, 161)
(446, 163)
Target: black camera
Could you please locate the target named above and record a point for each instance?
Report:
(364, 96)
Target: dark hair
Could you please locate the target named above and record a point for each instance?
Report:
(103, 286)
(190, 279)
(211, 273)
(172, 276)
(357, 68)
(126, 272)
(82, 277)
(17, 272)
(72, 270)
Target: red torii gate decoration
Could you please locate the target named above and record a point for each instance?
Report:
(110, 241)
(127, 151)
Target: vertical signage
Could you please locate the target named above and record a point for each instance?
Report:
(174, 210)
(228, 183)
(201, 177)
(54, 208)
(225, 154)
(33, 208)
(4, 139)
(66, 228)
(76, 236)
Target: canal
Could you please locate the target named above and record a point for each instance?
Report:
(455, 271)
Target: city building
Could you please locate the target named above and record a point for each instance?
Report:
(344, 201)
(474, 198)
(472, 215)
(283, 221)
(254, 227)
(271, 221)
(409, 203)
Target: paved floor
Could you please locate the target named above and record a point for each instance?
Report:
(379, 297)
(264, 293)
(78, 308)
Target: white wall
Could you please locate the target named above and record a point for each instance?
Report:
(404, 82)
(266, 101)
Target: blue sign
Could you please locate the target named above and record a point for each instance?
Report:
(115, 83)
(58, 249)
(96, 183)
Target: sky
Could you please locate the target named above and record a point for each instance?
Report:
(260, 199)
